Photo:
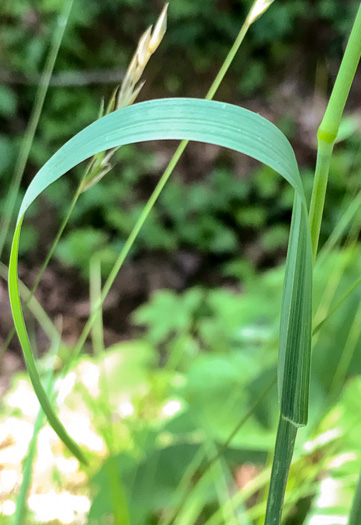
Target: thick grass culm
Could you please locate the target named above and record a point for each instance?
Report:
(326, 135)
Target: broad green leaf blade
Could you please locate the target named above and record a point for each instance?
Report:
(286, 436)
(191, 119)
(296, 320)
(214, 123)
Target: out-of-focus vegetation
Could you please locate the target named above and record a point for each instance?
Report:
(166, 423)
(158, 408)
(96, 48)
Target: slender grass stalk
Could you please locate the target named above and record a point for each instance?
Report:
(21, 498)
(327, 131)
(169, 170)
(218, 478)
(117, 492)
(257, 9)
(128, 245)
(223, 485)
(26, 144)
(344, 224)
(339, 303)
(95, 291)
(225, 444)
(241, 496)
(221, 449)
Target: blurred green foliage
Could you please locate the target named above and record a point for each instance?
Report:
(218, 214)
(191, 379)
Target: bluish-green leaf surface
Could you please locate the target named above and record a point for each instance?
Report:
(210, 122)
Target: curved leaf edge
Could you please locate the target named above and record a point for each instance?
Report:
(214, 123)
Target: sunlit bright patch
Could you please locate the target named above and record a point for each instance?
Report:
(328, 520)
(17, 433)
(329, 493)
(322, 439)
(64, 386)
(341, 459)
(125, 409)
(171, 408)
(90, 373)
(63, 507)
(80, 428)
(7, 508)
(8, 480)
(24, 398)
(67, 465)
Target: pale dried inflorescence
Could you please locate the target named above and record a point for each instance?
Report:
(126, 94)
(147, 45)
(258, 8)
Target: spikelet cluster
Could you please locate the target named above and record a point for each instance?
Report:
(126, 94)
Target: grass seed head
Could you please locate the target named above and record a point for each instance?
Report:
(147, 45)
(143, 51)
(126, 94)
(159, 30)
(258, 8)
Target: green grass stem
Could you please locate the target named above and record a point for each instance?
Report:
(331, 121)
(324, 154)
(27, 142)
(328, 129)
(230, 56)
(117, 492)
(161, 184)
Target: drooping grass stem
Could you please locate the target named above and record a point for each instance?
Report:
(328, 129)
